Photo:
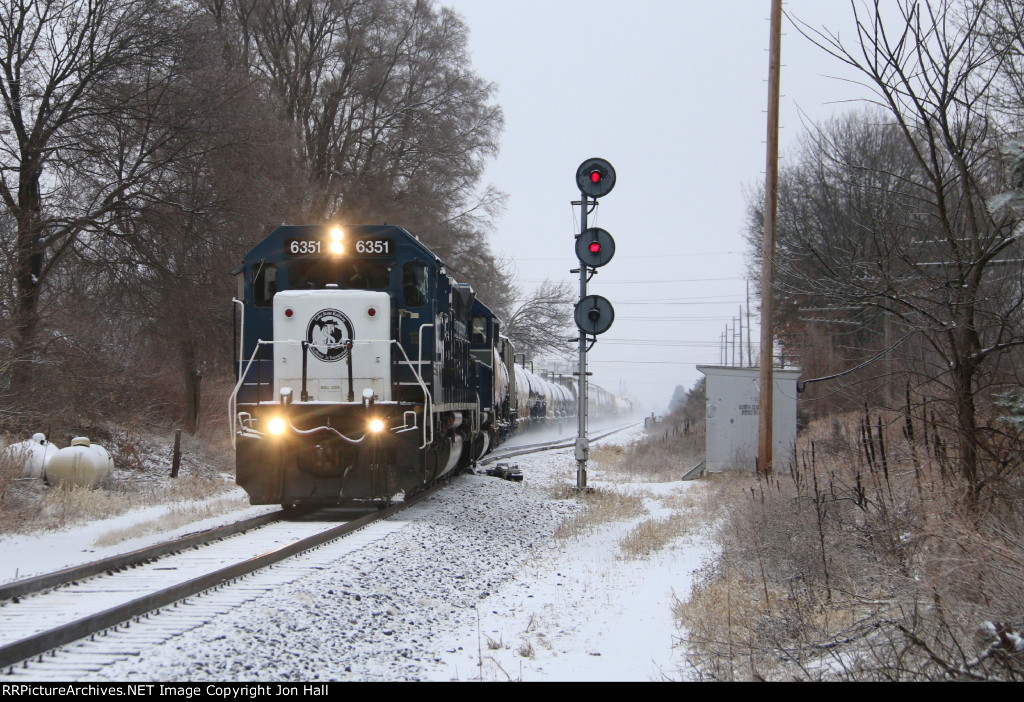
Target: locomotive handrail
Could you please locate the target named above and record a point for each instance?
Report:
(419, 342)
(242, 375)
(241, 330)
(427, 420)
(233, 398)
(428, 410)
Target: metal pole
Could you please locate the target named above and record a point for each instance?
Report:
(582, 447)
(741, 335)
(734, 347)
(750, 358)
(764, 443)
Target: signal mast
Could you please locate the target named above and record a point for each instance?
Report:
(593, 314)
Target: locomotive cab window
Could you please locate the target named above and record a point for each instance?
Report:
(264, 283)
(479, 331)
(462, 303)
(352, 274)
(414, 284)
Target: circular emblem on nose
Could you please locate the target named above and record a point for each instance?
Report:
(328, 333)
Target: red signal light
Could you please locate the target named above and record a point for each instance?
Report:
(595, 247)
(595, 177)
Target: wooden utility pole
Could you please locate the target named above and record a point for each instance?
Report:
(771, 200)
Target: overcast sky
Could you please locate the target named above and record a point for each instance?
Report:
(674, 95)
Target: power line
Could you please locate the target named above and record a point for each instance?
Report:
(719, 318)
(656, 342)
(678, 302)
(688, 255)
(648, 363)
(650, 282)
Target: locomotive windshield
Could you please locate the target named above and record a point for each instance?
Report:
(264, 285)
(346, 273)
(414, 283)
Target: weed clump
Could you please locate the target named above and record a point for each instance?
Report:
(865, 559)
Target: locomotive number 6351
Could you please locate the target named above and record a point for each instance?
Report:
(315, 247)
(373, 247)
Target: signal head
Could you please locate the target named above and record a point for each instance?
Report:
(595, 177)
(594, 315)
(595, 247)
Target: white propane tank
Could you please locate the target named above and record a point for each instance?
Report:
(106, 460)
(79, 464)
(33, 454)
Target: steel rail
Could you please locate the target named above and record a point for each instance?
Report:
(37, 644)
(27, 586)
(499, 455)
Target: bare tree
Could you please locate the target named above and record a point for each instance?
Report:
(923, 248)
(83, 132)
(395, 125)
(238, 176)
(848, 200)
(541, 322)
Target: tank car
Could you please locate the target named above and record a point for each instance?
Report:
(364, 370)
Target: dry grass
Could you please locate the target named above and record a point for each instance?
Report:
(600, 506)
(10, 471)
(661, 457)
(141, 479)
(854, 566)
(177, 516)
(651, 535)
(668, 452)
(610, 455)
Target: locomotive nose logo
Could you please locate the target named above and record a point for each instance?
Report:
(327, 334)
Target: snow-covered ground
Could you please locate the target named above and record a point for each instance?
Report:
(473, 586)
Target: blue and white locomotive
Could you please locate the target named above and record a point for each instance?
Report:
(364, 371)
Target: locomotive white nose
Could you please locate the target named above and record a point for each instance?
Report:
(329, 347)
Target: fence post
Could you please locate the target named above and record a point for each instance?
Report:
(176, 461)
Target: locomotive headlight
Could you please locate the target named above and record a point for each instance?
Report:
(376, 426)
(276, 426)
(335, 245)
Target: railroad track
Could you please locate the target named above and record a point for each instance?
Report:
(60, 608)
(41, 614)
(133, 559)
(510, 452)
